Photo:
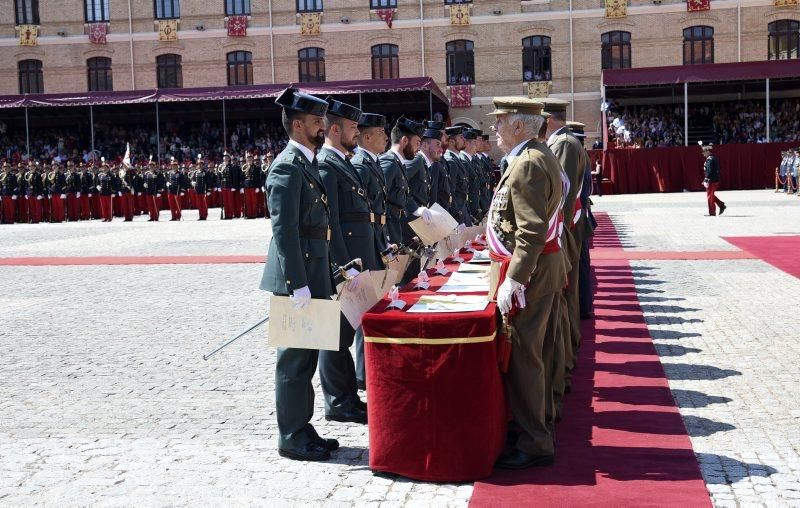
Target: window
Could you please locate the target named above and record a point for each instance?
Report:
(536, 58)
(96, 11)
(30, 76)
(99, 71)
(698, 45)
(240, 68)
(26, 12)
(451, 2)
(166, 9)
(237, 7)
(309, 5)
(784, 39)
(385, 62)
(170, 73)
(616, 50)
(460, 62)
(311, 62)
(383, 4)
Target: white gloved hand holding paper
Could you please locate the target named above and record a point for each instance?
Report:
(425, 213)
(351, 275)
(301, 298)
(460, 228)
(507, 291)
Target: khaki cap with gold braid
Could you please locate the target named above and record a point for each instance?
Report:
(516, 105)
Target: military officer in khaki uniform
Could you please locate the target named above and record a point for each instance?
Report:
(573, 158)
(298, 265)
(527, 274)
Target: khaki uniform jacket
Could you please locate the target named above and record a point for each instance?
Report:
(527, 195)
(573, 159)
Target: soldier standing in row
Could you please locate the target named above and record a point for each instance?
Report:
(405, 142)
(458, 174)
(174, 190)
(34, 193)
(56, 187)
(200, 186)
(73, 190)
(298, 266)
(467, 156)
(87, 191)
(105, 190)
(152, 191)
(352, 237)
(251, 182)
(9, 189)
(527, 273)
(125, 193)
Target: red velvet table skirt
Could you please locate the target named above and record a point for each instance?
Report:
(437, 410)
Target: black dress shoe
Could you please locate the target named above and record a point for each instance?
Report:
(722, 209)
(355, 414)
(311, 452)
(329, 444)
(517, 459)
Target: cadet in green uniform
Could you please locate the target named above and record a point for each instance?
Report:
(405, 137)
(458, 174)
(298, 265)
(468, 161)
(352, 237)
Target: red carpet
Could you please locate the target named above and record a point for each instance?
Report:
(779, 251)
(622, 441)
(130, 260)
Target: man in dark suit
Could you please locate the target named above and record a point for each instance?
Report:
(298, 265)
(352, 236)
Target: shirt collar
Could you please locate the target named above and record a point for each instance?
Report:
(427, 160)
(516, 150)
(453, 152)
(398, 154)
(371, 155)
(553, 136)
(336, 151)
(304, 149)
(467, 154)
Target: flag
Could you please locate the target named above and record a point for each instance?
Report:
(782, 3)
(460, 96)
(538, 89)
(127, 159)
(698, 5)
(28, 35)
(459, 14)
(310, 23)
(387, 15)
(237, 26)
(168, 29)
(97, 33)
(616, 8)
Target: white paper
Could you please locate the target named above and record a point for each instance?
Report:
(474, 268)
(385, 279)
(440, 226)
(355, 303)
(481, 256)
(314, 327)
(449, 303)
(466, 282)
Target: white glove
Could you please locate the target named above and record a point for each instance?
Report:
(182, 193)
(158, 194)
(301, 298)
(98, 187)
(138, 193)
(13, 197)
(351, 274)
(241, 191)
(258, 191)
(38, 197)
(460, 228)
(263, 189)
(510, 289)
(77, 194)
(90, 195)
(64, 196)
(425, 213)
(218, 189)
(169, 184)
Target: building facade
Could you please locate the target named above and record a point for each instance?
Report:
(506, 44)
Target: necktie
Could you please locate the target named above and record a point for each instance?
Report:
(503, 165)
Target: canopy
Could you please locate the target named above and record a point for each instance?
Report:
(221, 92)
(675, 74)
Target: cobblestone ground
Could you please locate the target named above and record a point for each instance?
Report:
(106, 400)
(727, 335)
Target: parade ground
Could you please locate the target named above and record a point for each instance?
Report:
(686, 390)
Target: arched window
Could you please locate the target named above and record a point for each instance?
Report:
(536, 58)
(30, 76)
(615, 50)
(385, 61)
(98, 70)
(698, 45)
(311, 65)
(784, 39)
(460, 62)
(240, 68)
(169, 71)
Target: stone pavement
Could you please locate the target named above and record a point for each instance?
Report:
(106, 400)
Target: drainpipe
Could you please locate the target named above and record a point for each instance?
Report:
(130, 39)
(422, 35)
(571, 67)
(271, 44)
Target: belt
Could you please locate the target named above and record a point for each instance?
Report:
(398, 209)
(379, 219)
(315, 233)
(356, 217)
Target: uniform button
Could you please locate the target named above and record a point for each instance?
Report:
(288, 282)
(354, 188)
(316, 200)
(307, 254)
(349, 233)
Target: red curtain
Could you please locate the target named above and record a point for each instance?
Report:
(674, 169)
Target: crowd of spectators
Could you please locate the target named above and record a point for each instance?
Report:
(719, 123)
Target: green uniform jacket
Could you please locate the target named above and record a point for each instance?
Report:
(573, 158)
(528, 195)
(473, 185)
(297, 255)
(460, 186)
(352, 235)
(419, 181)
(371, 175)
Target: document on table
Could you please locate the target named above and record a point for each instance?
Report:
(440, 226)
(429, 304)
(356, 302)
(466, 282)
(385, 279)
(474, 268)
(480, 256)
(314, 327)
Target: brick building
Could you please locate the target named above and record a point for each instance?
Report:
(506, 44)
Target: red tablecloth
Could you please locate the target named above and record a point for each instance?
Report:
(436, 404)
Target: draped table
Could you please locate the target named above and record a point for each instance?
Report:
(437, 410)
